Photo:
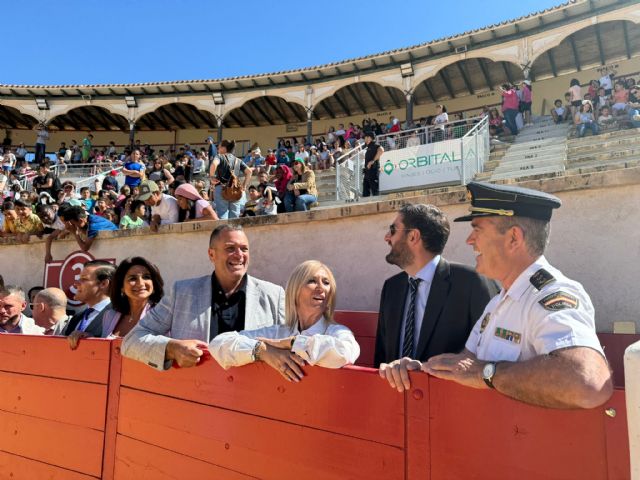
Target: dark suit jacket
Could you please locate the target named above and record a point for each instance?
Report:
(95, 327)
(456, 300)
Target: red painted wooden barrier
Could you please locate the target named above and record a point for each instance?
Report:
(52, 407)
(91, 414)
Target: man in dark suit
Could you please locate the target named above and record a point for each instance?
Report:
(431, 306)
(93, 290)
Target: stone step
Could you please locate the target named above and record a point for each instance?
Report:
(629, 132)
(543, 132)
(611, 144)
(482, 176)
(590, 167)
(604, 155)
(528, 173)
(524, 167)
(536, 145)
(535, 153)
(506, 166)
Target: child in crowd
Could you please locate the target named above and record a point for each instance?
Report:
(620, 99)
(135, 218)
(251, 204)
(559, 112)
(605, 119)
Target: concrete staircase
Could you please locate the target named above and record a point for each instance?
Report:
(610, 149)
(498, 151)
(326, 184)
(538, 149)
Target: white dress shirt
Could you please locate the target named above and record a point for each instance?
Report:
(324, 344)
(422, 294)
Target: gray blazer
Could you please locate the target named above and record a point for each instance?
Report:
(184, 313)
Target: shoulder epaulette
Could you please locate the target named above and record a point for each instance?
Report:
(541, 278)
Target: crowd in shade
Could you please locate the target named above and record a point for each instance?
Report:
(607, 103)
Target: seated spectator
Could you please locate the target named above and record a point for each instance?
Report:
(268, 201)
(53, 225)
(159, 171)
(164, 208)
(27, 223)
(302, 192)
(87, 201)
(192, 205)
(605, 119)
(249, 209)
(559, 113)
(309, 335)
(634, 106)
(109, 182)
(313, 157)
(12, 319)
(84, 227)
(620, 99)
(46, 181)
(135, 217)
(282, 177)
(601, 99)
(413, 140)
(282, 158)
(67, 193)
(584, 119)
(111, 215)
(136, 287)
(10, 217)
(496, 125)
(49, 310)
(323, 157)
(270, 161)
(594, 85)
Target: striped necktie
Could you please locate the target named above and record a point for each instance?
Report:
(410, 323)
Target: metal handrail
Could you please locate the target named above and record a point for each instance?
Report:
(427, 128)
(477, 126)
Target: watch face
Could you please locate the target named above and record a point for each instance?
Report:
(488, 370)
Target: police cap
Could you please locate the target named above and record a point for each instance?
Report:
(489, 200)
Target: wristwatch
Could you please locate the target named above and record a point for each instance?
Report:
(255, 353)
(488, 372)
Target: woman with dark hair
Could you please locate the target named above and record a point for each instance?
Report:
(302, 192)
(192, 205)
(585, 119)
(136, 287)
(224, 167)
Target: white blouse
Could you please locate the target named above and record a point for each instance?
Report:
(324, 344)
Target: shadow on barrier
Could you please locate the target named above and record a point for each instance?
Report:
(91, 414)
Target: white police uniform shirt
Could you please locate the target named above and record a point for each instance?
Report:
(543, 311)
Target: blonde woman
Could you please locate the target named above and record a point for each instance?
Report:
(309, 334)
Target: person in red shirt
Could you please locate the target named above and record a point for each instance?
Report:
(510, 106)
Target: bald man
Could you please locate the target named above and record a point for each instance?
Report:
(49, 310)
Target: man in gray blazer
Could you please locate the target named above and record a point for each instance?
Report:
(195, 310)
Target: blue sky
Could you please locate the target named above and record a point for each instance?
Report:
(128, 41)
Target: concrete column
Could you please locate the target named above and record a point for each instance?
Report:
(219, 122)
(409, 110)
(632, 395)
(309, 126)
(132, 133)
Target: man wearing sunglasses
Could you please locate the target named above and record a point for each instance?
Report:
(431, 306)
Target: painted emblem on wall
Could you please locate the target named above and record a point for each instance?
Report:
(63, 274)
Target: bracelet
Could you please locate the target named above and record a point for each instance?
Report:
(255, 353)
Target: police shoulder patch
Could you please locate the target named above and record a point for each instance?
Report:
(559, 301)
(541, 279)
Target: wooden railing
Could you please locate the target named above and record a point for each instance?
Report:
(90, 413)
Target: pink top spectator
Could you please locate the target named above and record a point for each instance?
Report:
(510, 100)
(526, 93)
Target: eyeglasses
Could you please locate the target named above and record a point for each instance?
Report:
(393, 229)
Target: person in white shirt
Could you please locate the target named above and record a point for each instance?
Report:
(309, 334)
(164, 208)
(49, 311)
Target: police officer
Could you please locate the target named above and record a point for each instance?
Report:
(536, 340)
(371, 165)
